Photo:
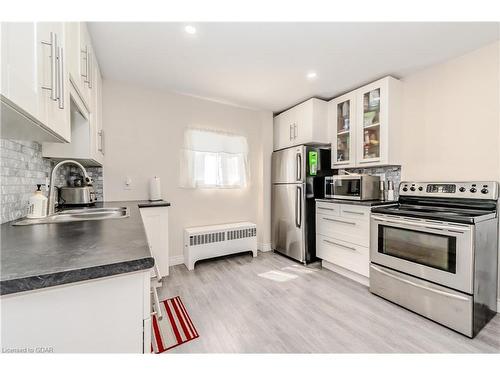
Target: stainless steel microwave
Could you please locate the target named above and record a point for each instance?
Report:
(360, 187)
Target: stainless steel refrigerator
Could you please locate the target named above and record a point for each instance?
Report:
(297, 180)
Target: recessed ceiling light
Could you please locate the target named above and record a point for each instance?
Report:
(311, 75)
(190, 29)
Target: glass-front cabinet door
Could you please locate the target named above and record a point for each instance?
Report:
(342, 129)
(372, 123)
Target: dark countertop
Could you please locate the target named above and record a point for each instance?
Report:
(146, 204)
(358, 203)
(44, 255)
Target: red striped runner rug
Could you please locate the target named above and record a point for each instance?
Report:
(175, 327)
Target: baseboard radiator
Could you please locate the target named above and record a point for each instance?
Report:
(217, 240)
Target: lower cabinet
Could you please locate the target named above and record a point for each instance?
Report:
(344, 254)
(343, 238)
(106, 315)
(155, 221)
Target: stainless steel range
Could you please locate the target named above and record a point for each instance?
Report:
(436, 252)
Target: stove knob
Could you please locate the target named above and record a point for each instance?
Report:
(462, 189)
(405, 189)
(484, 191)
(420, 188)
(473, 190)
(412, 188)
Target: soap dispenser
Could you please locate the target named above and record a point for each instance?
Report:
(37, 208)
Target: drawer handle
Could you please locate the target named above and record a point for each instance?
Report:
(339, 221)
(324, 208)
(354, 212)
(339, 244)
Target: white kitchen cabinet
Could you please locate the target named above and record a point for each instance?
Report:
(305, 123)
(343, 239)
(378, 116)
(57, 114)
(19, 70)
(80, 60)
(83, 147)
(342, 129)
(374, 119)
(155, 221)
(106, 315)
(87, 131)
(34, 86)
(97, 131)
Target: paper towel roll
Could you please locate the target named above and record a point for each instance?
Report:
(154, 189)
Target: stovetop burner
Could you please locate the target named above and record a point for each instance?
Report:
(467, 216)
(460, 202)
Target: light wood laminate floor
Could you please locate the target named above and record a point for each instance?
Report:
(271, 304)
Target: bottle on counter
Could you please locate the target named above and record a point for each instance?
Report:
(382, 190)
(37, 207)
(390, 190)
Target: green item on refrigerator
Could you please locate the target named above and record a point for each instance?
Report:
(313, 163)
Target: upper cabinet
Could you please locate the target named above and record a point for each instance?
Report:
(34, 85)
(87, 131)
(304, 123)
(80, 59)
(342, 115)
(364, 125)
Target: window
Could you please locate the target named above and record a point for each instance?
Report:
(213, 159)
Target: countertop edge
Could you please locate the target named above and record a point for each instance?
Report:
(153, 204)
(371, 203)
(71, 276)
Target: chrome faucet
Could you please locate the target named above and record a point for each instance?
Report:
(51, 206)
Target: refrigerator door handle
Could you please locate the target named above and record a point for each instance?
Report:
(299, 166)
(298, 207)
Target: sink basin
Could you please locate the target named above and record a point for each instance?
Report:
(79, 215)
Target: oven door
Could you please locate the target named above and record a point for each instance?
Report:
(347, 188)
(434, 251)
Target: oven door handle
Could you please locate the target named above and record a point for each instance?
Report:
(433, 290)
(460, 230)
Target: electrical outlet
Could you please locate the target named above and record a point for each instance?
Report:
(128, 183)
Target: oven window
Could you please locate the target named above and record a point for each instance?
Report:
(429, 249)
(348, 187)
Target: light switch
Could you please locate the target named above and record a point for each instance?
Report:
(128, 183)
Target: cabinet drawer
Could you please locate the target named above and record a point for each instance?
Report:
(356, 231)
(350, 211)
(324, 208)
(349, 256)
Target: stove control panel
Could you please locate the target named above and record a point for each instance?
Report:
(472, 190)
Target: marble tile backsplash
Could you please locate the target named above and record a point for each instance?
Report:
(22, 168)
(386, 173)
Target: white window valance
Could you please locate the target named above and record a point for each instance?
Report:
(213, 159)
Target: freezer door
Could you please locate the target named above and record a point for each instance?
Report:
(287, 219)
(288, 166)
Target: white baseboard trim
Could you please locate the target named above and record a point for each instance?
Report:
(175, 260)
(345, 272)
(263, 247)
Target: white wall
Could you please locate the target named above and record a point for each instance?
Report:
(144, 135)
(451, 120)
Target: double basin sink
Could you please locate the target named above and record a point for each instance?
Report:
(79, 215)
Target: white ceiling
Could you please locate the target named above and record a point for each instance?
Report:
(264, 65)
